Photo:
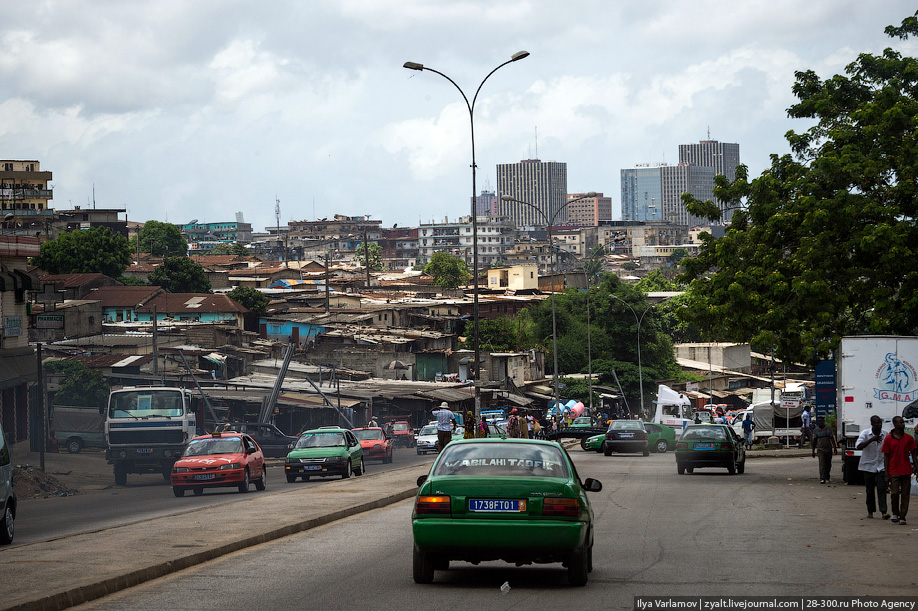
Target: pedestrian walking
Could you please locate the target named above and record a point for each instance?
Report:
(446, 420)
(748, 427)
(806, 431)
(513, 425)
(469, 425)
(824, 445)
(524, 425)
(873, 466)
(897, 447)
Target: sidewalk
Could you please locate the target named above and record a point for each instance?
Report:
(72, 570)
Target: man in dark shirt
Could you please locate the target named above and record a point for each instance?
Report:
(825, 446)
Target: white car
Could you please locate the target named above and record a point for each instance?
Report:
(426, 441)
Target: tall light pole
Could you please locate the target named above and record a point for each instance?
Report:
(471, 106)
(548, 223)
(638, 320)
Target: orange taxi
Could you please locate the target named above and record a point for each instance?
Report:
(374, 443)
(227, 459)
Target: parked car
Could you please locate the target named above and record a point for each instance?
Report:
(710, 445)
(516, 500)
(323, 452)
(402, 435)
(582, 422)
(273, 442)
(8, 504)
(626, 436)
(374, 443)
(78, 427)
(660, 438)
(220, 459)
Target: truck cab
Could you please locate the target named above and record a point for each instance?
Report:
(147, 429)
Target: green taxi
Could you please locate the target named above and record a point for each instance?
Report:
(660, 439)
(710, 445)
(516, 500)
(323, 452)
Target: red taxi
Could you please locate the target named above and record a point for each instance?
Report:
(374, 443)
(402, 435)
(219, 460)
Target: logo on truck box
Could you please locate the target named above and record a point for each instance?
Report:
(895, 380)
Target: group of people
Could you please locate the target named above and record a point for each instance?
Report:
(523, 425)
(885, 466)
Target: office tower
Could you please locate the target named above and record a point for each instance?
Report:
(642, 193)
(684, 178)
(543, 184)
(589, 211)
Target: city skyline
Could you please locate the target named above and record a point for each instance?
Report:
(309, 104)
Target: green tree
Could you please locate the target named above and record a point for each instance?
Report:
(677, 255)
(235, 248)
(375, 255)
(132, 281)
(501, 334)
(180, 275)
(656, 281)
(83, 387)
(448, 272)
(160, 240)
(94, 250)
(255, 301)
(822, 243)
(594, 266)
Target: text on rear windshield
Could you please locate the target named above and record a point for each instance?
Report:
(502, 459)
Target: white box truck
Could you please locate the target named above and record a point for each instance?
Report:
(875, 375)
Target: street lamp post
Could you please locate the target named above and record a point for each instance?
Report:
(471, 107)
(638, 321)
(554, 329)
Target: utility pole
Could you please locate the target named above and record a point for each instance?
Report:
(366, 255)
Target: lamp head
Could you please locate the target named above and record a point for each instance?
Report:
(517, 56)
(508, 198)
(415, 65)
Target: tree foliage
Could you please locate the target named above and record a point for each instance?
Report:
(375, 255)
(235, 248)
(161, 240)
(94, 250)
(180, 275)
(824, 242)
(255, 301)
(448, 272)
(83, 387)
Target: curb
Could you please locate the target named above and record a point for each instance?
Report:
(82, 594)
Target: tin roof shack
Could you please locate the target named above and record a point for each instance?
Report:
(262, 276)
(77, 318)
(201, 307)
(119, 303)
(519, 367)
(375, 350)
(78, 286)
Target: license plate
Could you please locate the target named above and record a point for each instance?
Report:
(625, 435)
(312, 467)
(201, 476)
(704, 446)
(497, 506)
(144, 450)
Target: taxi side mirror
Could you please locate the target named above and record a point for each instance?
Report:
(421, 480)
(592, 485)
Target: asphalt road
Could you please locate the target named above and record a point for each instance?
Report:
(149, 496)
(771, 531)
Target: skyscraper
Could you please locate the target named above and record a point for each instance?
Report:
(540, 183)
(723, 157)
(684, 178)
(642, 193)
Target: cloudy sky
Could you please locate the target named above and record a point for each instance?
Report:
(178, 109)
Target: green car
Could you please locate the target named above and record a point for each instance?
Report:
(710, 445)
(583, 422)
(323, 452)
(516, 500)
(660, 439)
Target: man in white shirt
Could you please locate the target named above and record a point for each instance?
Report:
(872, 467)
(806, 431)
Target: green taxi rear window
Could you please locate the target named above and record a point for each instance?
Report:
(502, 460)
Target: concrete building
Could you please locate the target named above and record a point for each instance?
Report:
(589, 211)
(516, 278)
(341, 233)
(18, 365)
(487, 204)
(685, 178)
(24, 190)
(642, 193)
(399, 247)
(542, 184)
(722, 157)
(204, 237)
(496, 234)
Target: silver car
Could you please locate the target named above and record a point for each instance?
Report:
(7, 494)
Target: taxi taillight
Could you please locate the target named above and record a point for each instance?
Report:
(681, 445)
(726, 446)
(438, 505)
(568, 508)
